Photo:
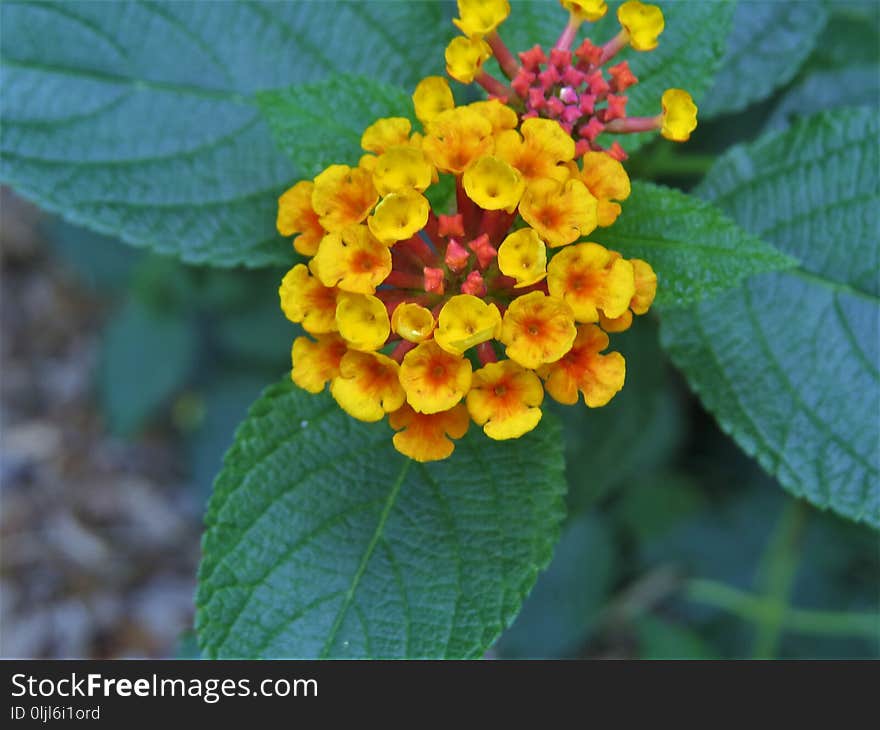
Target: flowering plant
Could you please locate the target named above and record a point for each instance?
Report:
(488, 229)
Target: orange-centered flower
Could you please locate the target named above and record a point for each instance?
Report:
(583, 369)
(428, 436)
(434, 380)
(505, 399)
(367, 386)
(537, 329)
(588, 278)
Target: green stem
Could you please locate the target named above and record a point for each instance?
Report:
(775, 577)
(752, 608)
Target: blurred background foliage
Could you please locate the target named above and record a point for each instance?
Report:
(676, 546)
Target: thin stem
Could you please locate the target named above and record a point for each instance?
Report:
(470, 213)
(776, 574)
(486, 353)
(752, 608)
(506, 60)
(613, 47)
(631, 125)
(567, 37)
(493, 85)
(403, 347)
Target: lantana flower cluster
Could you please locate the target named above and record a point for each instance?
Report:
(440, 319)
(473, 308)
(579, 88)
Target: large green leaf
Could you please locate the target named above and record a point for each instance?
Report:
(137, 119)
(687, 57)
(320, 124)
(768, 42)
(323, 541)
(695, 249)
(789, 363)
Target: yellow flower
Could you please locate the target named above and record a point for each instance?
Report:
(559, 214)
(296, 215)
(645, 283)
(465, 56)
(481, 17)
(679, 116)
(646, 286)
(591, 10)
(385, 133)
(399, 216)
(362, 320)
(523, 256)
(434, 380)
(367, 386)
(466, 321)
(343, 196)
(583, 368)
(457, 137)
(428, 437)
(431, 97)
(316, 362)
(537, 154)
(500, 115)
(412, 322)
(589, 277)
(607, 181)
(401, 168)
(493, 184)
(306, 300)
(504, 399)
(642, 23)
(537, 329)
(352, 260)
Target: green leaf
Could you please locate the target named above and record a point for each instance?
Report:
(138, 121)
(835, 89)
(323, 541)
(687, 57)
(561, 611)
(768, 43)
(788, 364)
(695, 249)
(146, 356)
(321, 124)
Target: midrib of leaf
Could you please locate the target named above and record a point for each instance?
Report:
(229, 136)
(123, 80)
(365, 558)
